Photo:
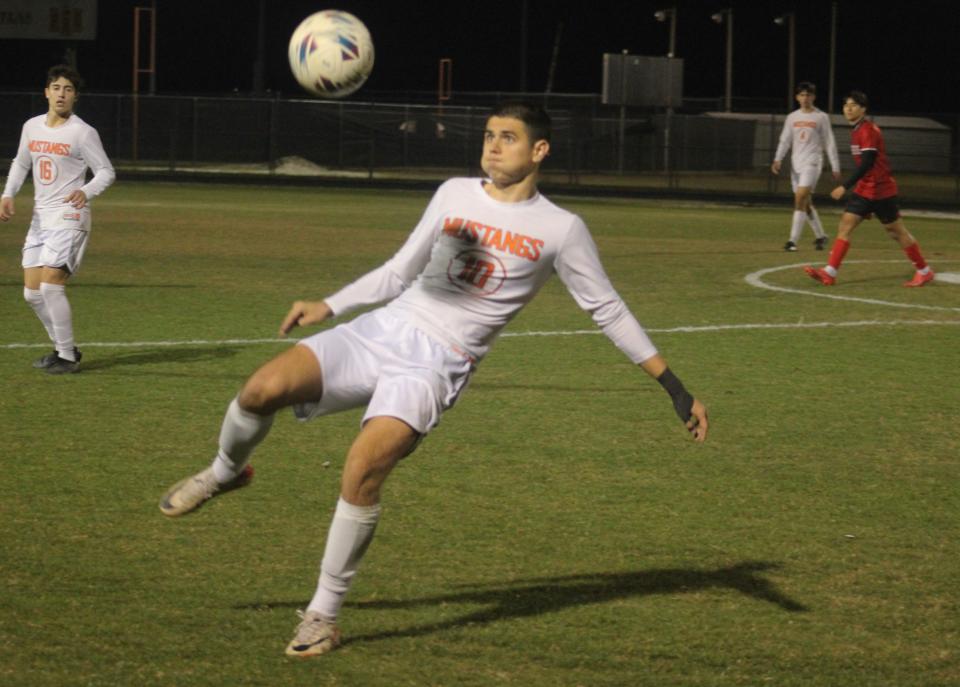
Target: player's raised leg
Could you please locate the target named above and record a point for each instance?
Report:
(292, 377)
(381, 444)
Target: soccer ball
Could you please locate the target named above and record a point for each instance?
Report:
(331, 53)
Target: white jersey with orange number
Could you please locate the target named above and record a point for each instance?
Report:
(59, 158)
(472, 263)
(808, 136)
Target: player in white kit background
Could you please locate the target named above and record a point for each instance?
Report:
(481, 251)
(57, 147)
(806, 135)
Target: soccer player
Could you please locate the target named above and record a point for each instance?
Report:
(874, 193)
(479, 254)
(58, 147)
(807, 134)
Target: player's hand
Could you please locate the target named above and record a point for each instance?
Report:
(836, 176)
(77, 199)
(775, 167)
(697, 424)
(6, 208)
(838, 192)
(303, 313)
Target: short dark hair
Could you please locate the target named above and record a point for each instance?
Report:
(807, 86)
(859, 97)
(534, 117)
(68, 73)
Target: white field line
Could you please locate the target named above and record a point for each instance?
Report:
(684, 329)
(756, 279)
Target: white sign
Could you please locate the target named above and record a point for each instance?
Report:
(49, 19)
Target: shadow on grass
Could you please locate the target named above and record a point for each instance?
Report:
(163, 355)
(537, 596)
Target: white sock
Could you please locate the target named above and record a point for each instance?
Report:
(799, 217)
(35, 299)
(814, 219)
(240, 433)
(350, 534)
(831, 270)
(61, 318)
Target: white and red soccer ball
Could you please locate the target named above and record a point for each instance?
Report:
(331, 53)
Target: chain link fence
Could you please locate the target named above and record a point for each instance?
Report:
(594, 146)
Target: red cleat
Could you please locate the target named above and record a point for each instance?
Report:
(920, 279)
(820, 275)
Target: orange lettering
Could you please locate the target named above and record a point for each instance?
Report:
(48, 147)
(452, 225)
(512, 242)
(470, 231)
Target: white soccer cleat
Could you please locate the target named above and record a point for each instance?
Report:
(189, 494)
(316, 635)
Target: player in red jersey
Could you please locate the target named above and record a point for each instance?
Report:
(874, 193)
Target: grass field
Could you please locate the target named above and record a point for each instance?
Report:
(558, 528)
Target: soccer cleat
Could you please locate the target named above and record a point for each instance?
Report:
(189, 494)
(820, 275)
(920, 279)
(316, 635)
(60, 366)
(790, 247)
(46, 361)
(820, 243)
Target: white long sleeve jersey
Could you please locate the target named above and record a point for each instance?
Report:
(472, 263)
(59, 158)
(808, 135)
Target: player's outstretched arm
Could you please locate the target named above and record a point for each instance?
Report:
(303, 313)
(692, 413)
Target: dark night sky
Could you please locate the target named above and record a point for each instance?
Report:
(907, 61)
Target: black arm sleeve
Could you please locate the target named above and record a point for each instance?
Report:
(867, 160)
(682, 400)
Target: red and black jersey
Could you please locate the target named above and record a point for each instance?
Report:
(877, 182)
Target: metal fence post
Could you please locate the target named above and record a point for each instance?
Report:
(196, 130)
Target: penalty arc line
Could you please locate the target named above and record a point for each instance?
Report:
(756, 279)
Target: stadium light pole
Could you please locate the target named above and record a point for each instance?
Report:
(671, 14)
(789, 18)
(719, 18)
(661, 16)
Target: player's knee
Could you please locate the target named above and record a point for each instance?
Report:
(261, 394)
(32, 296)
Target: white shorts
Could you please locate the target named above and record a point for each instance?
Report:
(808, 177)
(391, 366)
(57, 242)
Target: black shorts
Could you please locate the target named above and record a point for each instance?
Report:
(885, 209)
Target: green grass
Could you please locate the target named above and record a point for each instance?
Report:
(558, 528)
